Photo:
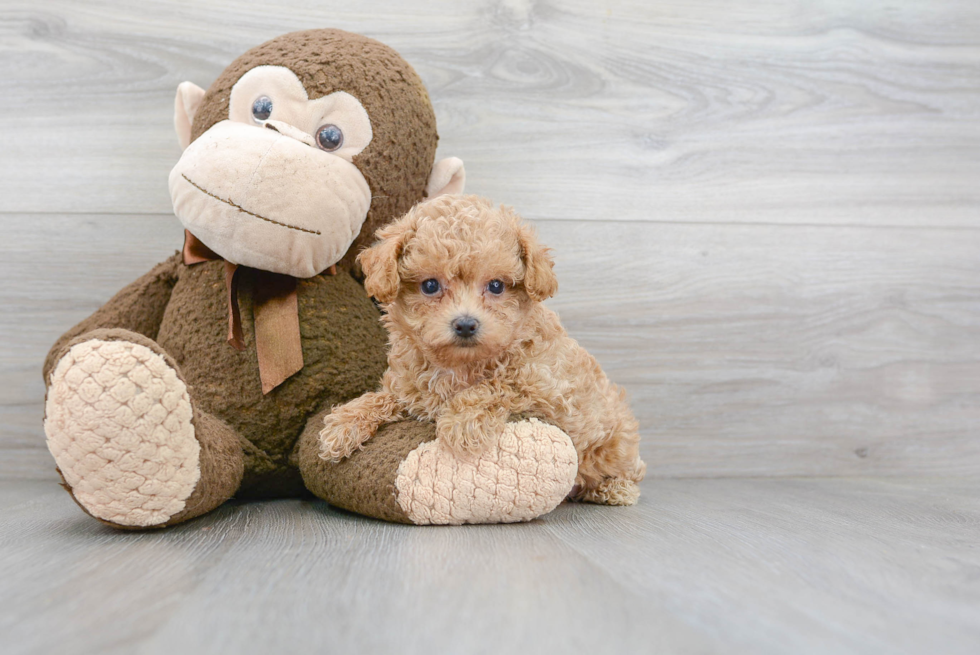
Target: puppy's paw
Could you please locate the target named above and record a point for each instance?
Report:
(611, 491)
(342, 435)
(468, 436)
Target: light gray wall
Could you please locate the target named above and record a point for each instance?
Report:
(766, 218)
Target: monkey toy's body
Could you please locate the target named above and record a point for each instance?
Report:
(180, 312)
(154, 418)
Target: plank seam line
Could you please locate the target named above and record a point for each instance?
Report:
(543, 219)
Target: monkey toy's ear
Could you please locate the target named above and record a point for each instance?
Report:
(380, 261)
(448, 176)
(189, 96)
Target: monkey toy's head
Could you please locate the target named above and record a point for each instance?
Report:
(302, 148)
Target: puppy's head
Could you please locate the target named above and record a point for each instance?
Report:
(457, 276)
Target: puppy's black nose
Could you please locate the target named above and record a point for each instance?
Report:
(466, 326)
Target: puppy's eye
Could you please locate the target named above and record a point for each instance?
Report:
(329, 137)
(430, 287)
(496, 287)
(262, 108)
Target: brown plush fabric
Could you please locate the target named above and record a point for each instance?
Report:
(222, 467)
(138, 307)
(111, 334)
(181, 311)
(343, 353)
(399, 158)
(365, 481)
(343, 348)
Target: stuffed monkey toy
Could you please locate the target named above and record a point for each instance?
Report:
(208, 378)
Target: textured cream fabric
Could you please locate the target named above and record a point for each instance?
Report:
(290, 104)
(448, 177)
(263, 199)
(527, 473)
(189, 96)
(118, 422)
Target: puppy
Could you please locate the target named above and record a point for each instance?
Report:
(461, 283)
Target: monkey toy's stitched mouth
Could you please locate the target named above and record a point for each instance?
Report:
(245, 211)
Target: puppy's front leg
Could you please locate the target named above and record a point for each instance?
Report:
(472, 419)
(348, 426)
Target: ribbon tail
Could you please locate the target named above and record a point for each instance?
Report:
(195, 252)
(235, 337)
(277, 338)
(276, 311)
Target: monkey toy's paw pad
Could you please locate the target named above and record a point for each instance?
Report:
(118, 422)
(526, 473)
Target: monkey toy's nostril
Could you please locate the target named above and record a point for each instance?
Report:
(466, 326)
(286, 129)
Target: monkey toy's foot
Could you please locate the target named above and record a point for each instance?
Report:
(118, 422)
(528, 471)
(404, 473)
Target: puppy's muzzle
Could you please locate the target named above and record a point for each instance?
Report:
(466, 327)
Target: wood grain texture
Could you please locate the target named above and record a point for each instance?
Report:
(746, 349)
(822, 112)
(699, 566)
(766, 219)
(58, 270)
(811, 351)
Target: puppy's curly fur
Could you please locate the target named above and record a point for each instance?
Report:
(477, 346)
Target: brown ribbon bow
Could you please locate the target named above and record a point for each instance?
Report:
(276, 310)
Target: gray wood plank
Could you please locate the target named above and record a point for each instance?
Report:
(58, 270)
(834, 112)
(804, 350)
(765, 219)
(801, 566)
(747, 349)
(706, 566)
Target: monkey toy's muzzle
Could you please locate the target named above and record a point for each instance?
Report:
(269, 198)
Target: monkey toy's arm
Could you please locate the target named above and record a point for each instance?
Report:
(138, 307)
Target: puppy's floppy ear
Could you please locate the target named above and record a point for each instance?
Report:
(380, 261)
(539, 278)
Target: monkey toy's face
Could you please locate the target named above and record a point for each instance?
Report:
(279, 183)
(274, 186)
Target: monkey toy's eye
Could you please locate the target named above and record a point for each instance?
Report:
(329, 138)
(496, 287)
(262, 108)
(430, 287)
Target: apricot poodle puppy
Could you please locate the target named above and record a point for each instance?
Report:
(461, 283)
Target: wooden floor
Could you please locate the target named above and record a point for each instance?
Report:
(766, 220)
(699, 566)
